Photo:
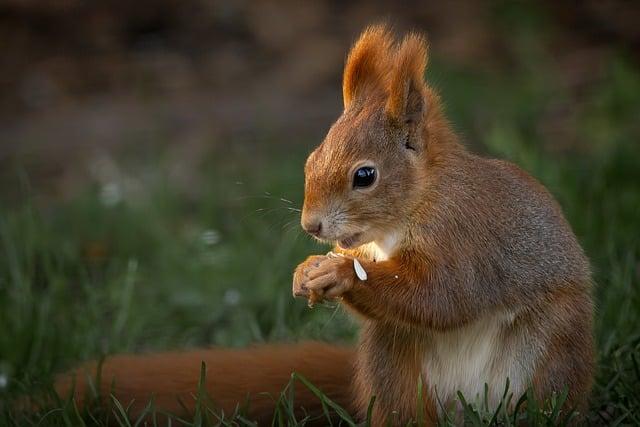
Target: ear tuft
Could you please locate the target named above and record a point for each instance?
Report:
(366, 64)
(407, 86)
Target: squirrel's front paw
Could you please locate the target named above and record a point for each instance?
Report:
(301, 275)
(330, 278)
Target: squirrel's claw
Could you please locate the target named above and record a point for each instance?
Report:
(332, 278)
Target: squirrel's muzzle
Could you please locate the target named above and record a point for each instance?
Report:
(312, 226)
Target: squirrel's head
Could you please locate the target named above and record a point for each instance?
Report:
(364, 179)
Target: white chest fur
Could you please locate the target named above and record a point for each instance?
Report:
(383, 249)
(481, 353)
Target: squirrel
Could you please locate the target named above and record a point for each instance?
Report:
(473, 279)
(473, 275)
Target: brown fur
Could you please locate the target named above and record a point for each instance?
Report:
(450, 242)
(253, 377)
(362, 70)
(407, 77)
(471, 238)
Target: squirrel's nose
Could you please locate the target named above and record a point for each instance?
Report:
(313, 227)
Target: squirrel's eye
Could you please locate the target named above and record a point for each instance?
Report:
(364, 177)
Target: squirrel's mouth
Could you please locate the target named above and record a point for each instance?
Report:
(350, 242)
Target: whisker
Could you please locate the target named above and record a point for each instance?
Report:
(290, 223)
(266, 211)
(333, 314)
(297, 234)
(266, 195)
(283, 221)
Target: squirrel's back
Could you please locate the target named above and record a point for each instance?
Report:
(501, 219)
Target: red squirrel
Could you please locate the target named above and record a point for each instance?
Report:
(472, 274)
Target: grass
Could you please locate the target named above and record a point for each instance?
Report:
(139, 263)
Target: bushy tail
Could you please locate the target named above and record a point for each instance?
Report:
(253, 377)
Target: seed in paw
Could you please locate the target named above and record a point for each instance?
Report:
(362, 275)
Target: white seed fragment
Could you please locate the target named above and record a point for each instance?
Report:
(396, 276)
(362, 275)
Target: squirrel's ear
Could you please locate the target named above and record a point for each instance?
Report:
(367, 63)
(407, 87)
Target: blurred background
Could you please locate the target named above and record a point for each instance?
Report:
(151, 160)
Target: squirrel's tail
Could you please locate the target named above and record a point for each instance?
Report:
(251, 378)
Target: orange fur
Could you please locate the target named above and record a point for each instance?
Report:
(364, 68)
(471, 266)
(253, 376)
(407, 77)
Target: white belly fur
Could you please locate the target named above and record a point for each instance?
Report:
(466, 359)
